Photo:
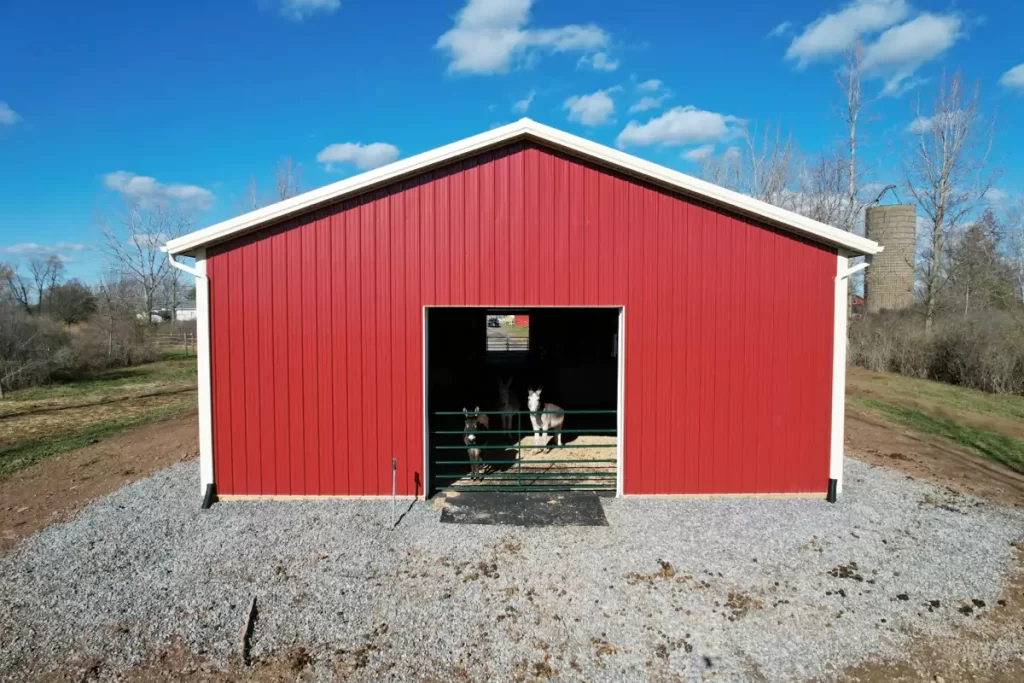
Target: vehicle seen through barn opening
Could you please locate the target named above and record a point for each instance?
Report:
(570, 354)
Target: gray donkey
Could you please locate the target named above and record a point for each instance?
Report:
(509, 402)
(472, 422)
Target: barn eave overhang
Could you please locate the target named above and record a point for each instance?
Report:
(525, 130)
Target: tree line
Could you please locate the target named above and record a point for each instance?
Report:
(53, 327)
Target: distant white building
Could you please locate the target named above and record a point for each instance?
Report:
(185, 312)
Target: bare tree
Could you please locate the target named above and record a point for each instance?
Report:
(55, 273)
(764, 167)
(767, 167)
(71, 302)
(16, 286)
(722, 169)
(945, 169)
(250, 202)
(824, 190)
(287, 184)
(132, 246)
(1014, 223)
(287, 178)
(849, 80)
(45, 274)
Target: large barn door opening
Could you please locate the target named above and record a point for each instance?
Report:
(482, 364)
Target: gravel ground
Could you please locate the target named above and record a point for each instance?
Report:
(739, 589)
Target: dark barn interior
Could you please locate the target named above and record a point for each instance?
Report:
(571, 352)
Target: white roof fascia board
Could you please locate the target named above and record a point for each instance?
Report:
(524, 129)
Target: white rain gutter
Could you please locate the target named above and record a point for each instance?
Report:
(203, 376)
(839, 342)
(182, 267)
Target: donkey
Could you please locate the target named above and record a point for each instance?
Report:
(509, 402)
(544, 416)
(472, 422)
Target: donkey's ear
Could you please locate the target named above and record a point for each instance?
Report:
(464, 411)
(477, 409)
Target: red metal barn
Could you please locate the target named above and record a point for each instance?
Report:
(311, 317)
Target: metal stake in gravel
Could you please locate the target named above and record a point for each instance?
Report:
(394, 469)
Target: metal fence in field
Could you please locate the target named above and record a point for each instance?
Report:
(182, 340)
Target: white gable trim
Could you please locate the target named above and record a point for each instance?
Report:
(524, 129)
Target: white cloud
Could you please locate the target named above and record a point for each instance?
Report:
(297, 10)
(900, 50)
(647, 103)
(1014, 78)
(8, 117)
(925, 124)
(996, 196)
(148, 190)
(36, 249)
(922, 124)
(831, 34)
(780, 30)
(680, 126)
(359, 155)
(523, 105)
(649, 85)
(699, 153)
(593, 109)
(599, 61)
(489, 35)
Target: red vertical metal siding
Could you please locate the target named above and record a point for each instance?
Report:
(317, 327)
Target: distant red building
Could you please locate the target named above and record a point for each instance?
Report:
(521, 321)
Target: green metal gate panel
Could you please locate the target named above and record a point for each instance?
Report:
(527, 467)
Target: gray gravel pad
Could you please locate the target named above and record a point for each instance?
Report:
(736, 589)
(525, 508)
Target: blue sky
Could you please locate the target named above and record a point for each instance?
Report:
(188, 100)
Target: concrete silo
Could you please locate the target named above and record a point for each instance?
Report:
(889, 282)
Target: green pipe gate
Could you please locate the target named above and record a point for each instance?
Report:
(451, 470)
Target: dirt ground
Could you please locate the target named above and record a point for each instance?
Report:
(871, 439)
(964, 658)
(55, 488)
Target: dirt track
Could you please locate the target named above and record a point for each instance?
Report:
(52, 490)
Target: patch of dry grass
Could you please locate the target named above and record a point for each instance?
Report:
(43, 421)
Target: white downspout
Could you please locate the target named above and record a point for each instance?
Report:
(206, 483)
(835, 470)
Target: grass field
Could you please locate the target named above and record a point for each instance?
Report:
(986, 424)
(45, 421)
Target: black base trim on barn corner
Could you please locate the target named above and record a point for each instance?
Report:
(833, 484)
(211, 496)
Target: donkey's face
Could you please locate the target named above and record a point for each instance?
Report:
(503, 386)
(533, 396)
(471, 420)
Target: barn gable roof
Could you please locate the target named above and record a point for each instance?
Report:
(525, 130)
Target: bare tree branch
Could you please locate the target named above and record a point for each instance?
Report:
(945, 169)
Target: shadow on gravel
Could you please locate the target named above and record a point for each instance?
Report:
(533, 508)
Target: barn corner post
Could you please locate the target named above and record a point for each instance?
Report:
(207, 489)
(839, 363)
